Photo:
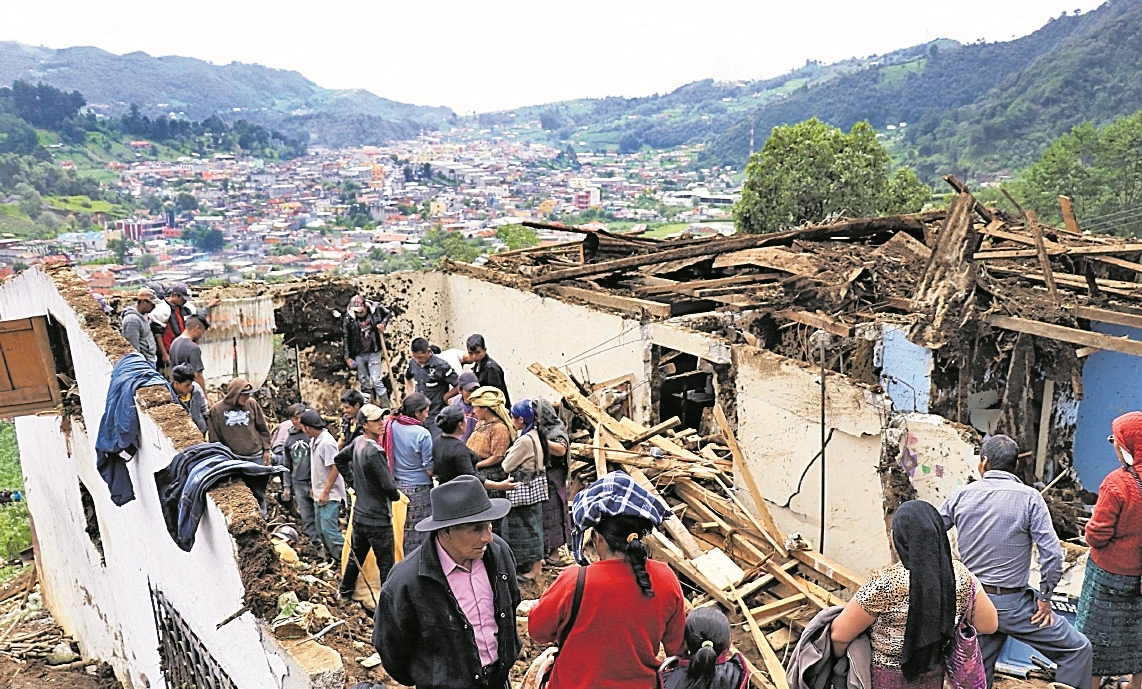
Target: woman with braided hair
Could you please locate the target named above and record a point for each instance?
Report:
(632, 602)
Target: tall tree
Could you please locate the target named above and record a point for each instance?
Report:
(810, 170)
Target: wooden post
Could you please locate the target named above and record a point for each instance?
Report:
(1044, 260)
(1069, 219)
(1044, 428)
(775, 535)
(772, 662)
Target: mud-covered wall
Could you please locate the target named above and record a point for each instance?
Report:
(103, 599)
(779, 429)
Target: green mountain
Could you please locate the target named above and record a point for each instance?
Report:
(920, 93)
(284, 100)
(1094, 74)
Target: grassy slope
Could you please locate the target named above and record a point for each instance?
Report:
(15, 534)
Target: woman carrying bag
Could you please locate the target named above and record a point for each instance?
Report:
(630, 605)
(1110, 609)
(913, 606)
(525, 464)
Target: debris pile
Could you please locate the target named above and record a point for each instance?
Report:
(725, 552)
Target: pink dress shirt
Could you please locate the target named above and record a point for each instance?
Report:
(473, 591)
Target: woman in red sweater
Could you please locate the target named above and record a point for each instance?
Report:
(1110, 610)
(631, 606)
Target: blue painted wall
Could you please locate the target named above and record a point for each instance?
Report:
(1112, 386)
(906, 370)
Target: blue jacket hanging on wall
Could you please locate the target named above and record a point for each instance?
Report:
(119, 427)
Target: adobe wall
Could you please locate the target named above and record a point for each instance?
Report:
(105, 602)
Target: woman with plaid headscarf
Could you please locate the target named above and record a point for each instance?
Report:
(632, 603)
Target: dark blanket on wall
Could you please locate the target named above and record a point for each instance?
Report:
(194, 471)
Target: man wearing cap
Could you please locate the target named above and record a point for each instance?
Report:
(368, 475)
(136, 326)
(185, 350)
(487, 371)
(467, 382)
(177, 299)
(362, 330)
(328, 486)
(446, 618)
(237, 422)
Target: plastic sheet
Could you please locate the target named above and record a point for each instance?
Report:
(240, 341)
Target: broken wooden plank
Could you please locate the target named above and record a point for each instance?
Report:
(820, 598)
(674, 557)
(1044, 427)
(984, 212)
(1108, 249)
(772, 662)
(1070, 222)
(1064, 334)
(780, 606)
(996, 230)
(732, 536)
(852, 229)
(772, 258)
(649, 433)
(1044, 260)
(1108, 316)
(635, 307)
(1117, 287)
(691, 286)
(904, 247)
(665, 444)
(562, 384)
(830, 568)
(1119, 263)
(771, 532)
(816, 320)
(600, 443)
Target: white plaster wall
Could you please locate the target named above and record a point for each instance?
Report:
(938, 459)
(521, 328)
(107, 608)
(778, 410)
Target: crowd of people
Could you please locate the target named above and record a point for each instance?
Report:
(482, 483)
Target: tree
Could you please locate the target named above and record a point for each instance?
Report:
(186, 202)
(120, 247)
(438, 244)
(30, 202)
(204, 238)
(146, 262)
(810, 170)
(517, 237)
(16, 135)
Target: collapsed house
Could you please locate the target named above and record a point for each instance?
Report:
(783, 392)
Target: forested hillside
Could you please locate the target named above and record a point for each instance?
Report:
(281, 99)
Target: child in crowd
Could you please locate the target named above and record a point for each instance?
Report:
(709, 665)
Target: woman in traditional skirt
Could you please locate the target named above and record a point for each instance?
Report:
(1110, 610)
(408, 445)
(556, 516)
(912, 606)
(491, 438)
(525, 461)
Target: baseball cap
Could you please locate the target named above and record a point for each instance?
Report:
(371, 412)
(146, 294)
(180, 289)
(312, 419)
(468, 381)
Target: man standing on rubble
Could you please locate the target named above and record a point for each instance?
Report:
(184, 349)
(432, 377)
(328, 486)
(237, 422)
(997, 520)
(363, 332)
(446, 617)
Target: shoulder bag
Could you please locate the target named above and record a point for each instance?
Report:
(964, 662)
(533, 484)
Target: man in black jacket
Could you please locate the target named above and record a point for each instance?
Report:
(446, 618)
(363, 331)
(368, 475)
(487, 370)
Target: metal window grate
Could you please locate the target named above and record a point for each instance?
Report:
(186, 662)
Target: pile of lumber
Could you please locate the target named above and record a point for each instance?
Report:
(720, 539)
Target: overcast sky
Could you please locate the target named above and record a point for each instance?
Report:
(496, 54)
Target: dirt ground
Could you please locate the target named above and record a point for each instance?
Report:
(36, 675)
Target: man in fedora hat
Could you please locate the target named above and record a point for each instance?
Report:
(446, 618)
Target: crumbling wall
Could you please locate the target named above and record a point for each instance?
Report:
(779, 429)
(105, 602)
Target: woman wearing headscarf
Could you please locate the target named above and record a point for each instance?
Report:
(491, 438)
(631, 604)
(525, 461)
(556, 516)
(408, 445)
(1110, 609)
(913, 605)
